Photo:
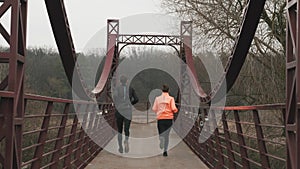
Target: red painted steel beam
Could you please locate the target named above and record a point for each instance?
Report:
(107, 66)
(190, 62)
(4, 33)
(243, 43)
(235, 61)
(184, 95)
(238, 56)
(149, 39)
(292, 119)
(247, 32)
(62, 34)
(12, 87)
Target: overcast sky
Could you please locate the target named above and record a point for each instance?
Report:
(85, 18)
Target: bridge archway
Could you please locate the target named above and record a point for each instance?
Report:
(181, 43)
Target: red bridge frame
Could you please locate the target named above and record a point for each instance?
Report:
(292, 119)
(12, 103)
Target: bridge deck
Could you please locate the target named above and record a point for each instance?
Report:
(180, 156)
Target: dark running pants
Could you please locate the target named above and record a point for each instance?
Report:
(121, 120)
(164, 128)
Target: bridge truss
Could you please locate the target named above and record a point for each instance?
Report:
(71, 146)
(12, 86)
(292, 118)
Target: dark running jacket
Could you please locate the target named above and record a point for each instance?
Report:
(124, 104)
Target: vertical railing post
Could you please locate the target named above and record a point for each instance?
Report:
(71, 141)
(228, 143)
(218, 142)
(241, 139)
(94, 147)
(80, 139)
(89, 128)
(260, 141)
(42, 137)
(210, 147)
(60, 136)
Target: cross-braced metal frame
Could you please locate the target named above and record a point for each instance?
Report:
(12, 87)
(112, 32)
(184, 41)
(185, 49)
(292, 118)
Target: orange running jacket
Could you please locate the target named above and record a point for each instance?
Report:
(164, 106)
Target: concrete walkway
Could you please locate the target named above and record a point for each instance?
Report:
(145, 152)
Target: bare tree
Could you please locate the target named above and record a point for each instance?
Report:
(216, 23)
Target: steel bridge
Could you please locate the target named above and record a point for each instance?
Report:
(70, 147)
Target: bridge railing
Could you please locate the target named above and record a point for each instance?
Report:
(54, 135)
(245, 136)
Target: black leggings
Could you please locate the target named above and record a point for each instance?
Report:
(164, 128)
(121, 120)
